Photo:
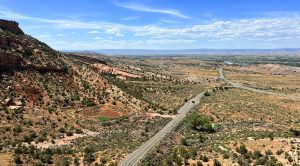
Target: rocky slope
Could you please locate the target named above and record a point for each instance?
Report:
(45, 94)
(21, 52)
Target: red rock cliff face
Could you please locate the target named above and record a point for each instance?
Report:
(11, 26)
(9, 62)
(20, 52)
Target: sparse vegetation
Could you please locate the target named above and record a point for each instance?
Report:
(63, 109)
(200, 122)
(104, 118)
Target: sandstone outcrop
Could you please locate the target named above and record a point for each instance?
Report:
(11, 26)
(23, 52)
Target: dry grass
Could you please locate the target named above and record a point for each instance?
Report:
(239, 115)
(244, 106)
(263, 77)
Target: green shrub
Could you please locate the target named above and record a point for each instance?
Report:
(295, 132)
(289, 158)
(69, 133)
(217, 162)
(184, 141)
(206, 93)
(40, 139)
(17, 159)
(257, 154)
(184, 153)
(89, 154)
(66, 161)
(62, 130)
(78, 131)
(242, 149)
(240, 161)
(279, 152)
(112, 164)
(200, 122)
(205, 158)
(32, 136)
(88, 102)
(103, 160)
(268, 152)
(178, 160)
(261, 161)
(17, 129)
(199, 163)
(76, 161)
(226, 156)
(193, 153)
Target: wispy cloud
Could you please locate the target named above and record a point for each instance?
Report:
(275, 14)
(93, 32)
(258, 28)
(264, 29)
(169, 21)
(130, 18)
(143, 8)
(95, 27)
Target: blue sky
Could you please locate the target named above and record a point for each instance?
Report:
(158, 24)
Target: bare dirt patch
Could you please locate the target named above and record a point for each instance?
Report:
(6, 159)
(115, 71)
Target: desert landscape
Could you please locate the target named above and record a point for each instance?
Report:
(76, 90)
(117, 103)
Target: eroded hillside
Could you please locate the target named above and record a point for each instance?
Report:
(80, 108)
(49, 99)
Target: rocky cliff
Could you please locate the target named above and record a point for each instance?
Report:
(11, 26)
(20, 51)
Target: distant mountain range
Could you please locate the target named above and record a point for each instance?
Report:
(193, 52)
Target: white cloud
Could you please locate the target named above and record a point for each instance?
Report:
(225, 30)
(114, 31)
(265, 29)
(142, 8)
(93, 32)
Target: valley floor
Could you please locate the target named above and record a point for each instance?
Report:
(103, 112)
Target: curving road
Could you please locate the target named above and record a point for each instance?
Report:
(134, 158)
(236, 85)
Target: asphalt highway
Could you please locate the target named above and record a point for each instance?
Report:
(134, 158)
